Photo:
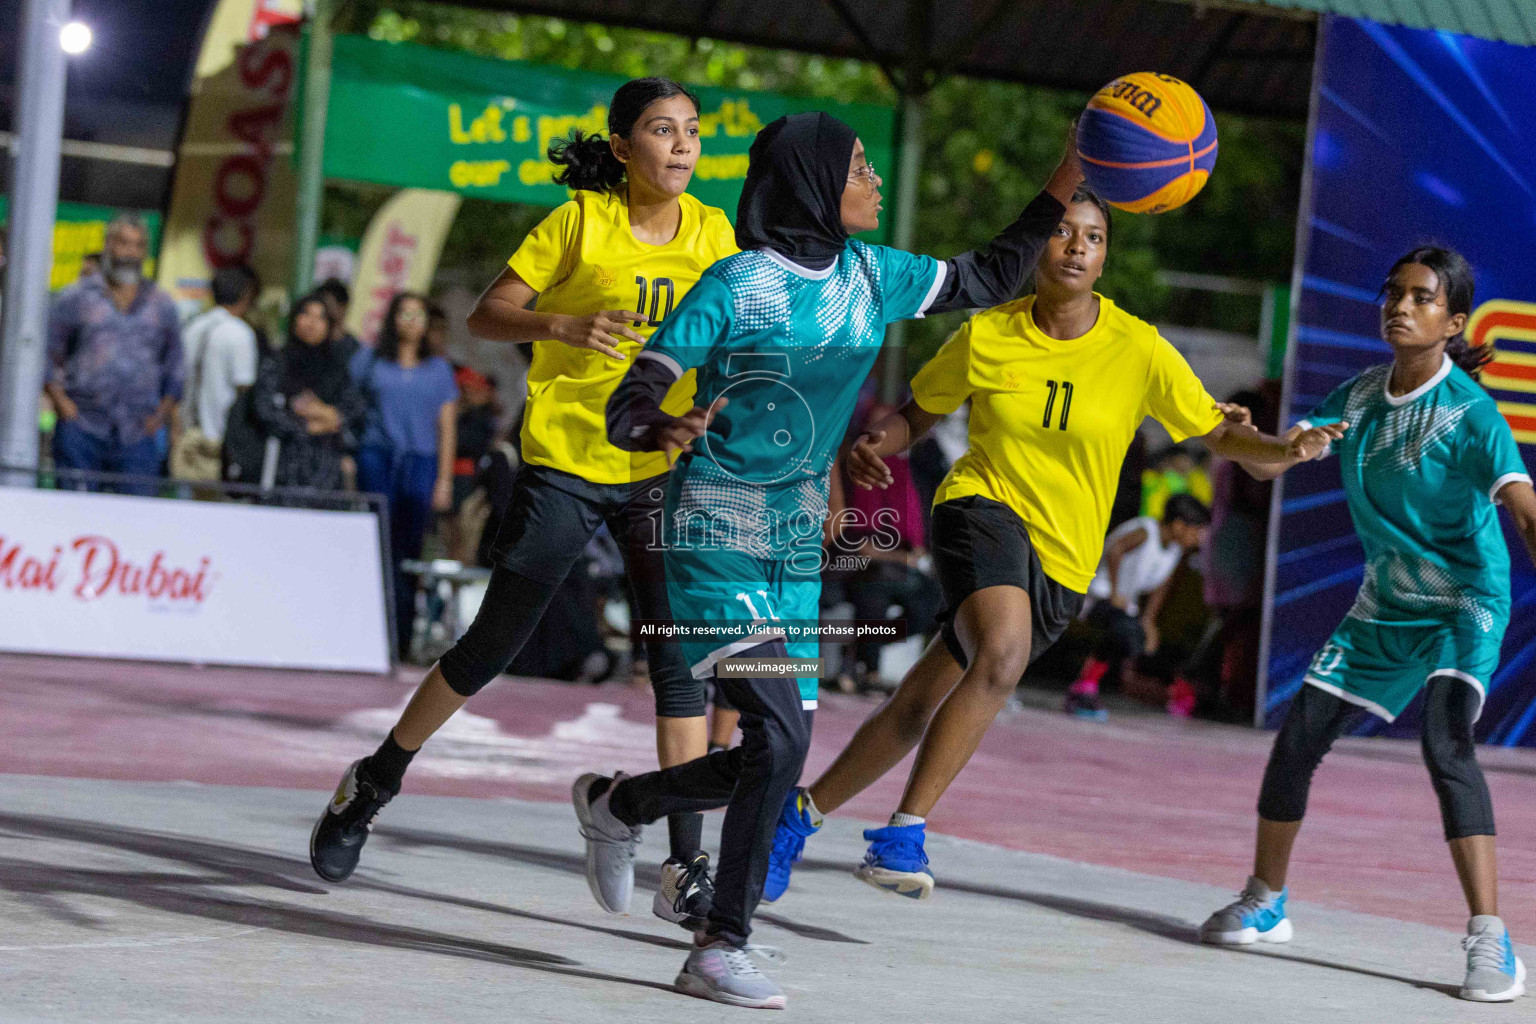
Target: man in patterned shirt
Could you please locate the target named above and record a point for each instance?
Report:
(114, 362)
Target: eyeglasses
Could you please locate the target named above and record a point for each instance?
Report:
(866, 174)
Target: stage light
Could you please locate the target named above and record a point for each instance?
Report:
(75, 38)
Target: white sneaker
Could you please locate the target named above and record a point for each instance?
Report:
(1494, 973)
(726, 974)
(610, 845)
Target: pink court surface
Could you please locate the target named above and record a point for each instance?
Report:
(1142, 792)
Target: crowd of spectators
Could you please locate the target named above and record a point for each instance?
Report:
(137, 392)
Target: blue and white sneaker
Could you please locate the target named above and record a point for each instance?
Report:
(896, 861)
(1494, 973)
(794, 829)
(1258, 915)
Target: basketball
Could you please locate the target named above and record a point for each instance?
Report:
(1147, 143)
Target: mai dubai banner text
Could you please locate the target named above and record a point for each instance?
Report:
(121, 577)
(413, 116)
(1417, 136)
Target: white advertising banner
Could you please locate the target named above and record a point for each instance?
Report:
(112, 576)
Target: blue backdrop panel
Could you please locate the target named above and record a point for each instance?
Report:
(1418, 136)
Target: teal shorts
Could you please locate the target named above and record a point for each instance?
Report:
(729, 602)
(1382, 667)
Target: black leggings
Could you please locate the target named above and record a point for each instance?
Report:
(550, 519)
(750, 781)
(1317, 718)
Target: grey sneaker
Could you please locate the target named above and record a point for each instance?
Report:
(610, 845)
(1258, 915)
(1494, 973)
(726, 974)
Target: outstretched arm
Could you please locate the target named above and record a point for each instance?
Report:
(1520, 499)
(994, 273)
(1265, 456)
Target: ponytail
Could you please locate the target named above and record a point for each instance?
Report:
(1455, 276)
(1470, 358)
(587, 161)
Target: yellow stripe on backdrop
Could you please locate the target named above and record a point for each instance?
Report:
(399, 253)
(233, 198)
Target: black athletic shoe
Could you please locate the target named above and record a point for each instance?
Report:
(337, 841)
(686, 892)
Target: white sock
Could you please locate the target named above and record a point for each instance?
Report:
(812, 812)
(899, 820)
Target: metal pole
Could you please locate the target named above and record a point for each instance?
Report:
(34, 199)
(311, 174)
(909, 166)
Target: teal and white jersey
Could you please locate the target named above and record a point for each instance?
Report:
(1420, 474)
(788, 348)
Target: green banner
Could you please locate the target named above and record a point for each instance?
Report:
(79, 230)
(418, 117)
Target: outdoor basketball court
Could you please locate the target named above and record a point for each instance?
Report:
(153, 866)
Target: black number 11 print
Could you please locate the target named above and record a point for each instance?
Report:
(1050, 402)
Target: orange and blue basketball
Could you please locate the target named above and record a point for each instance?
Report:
(1147, 142)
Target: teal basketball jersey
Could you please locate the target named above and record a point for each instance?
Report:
(1420, 474)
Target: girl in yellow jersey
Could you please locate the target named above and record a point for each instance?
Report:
(601, 273)
(1058, 382)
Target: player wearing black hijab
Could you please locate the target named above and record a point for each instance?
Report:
(790, 327)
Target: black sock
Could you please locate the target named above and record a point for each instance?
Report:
(386, 766)
(686, 832)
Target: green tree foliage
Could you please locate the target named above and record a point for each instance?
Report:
(988, 146)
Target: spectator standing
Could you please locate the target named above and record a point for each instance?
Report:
(306, 398)
(409, 440)
(220, 356)
(115, 366)
(337, 298)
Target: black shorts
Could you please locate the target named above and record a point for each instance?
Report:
(549, 521)
(980, 543)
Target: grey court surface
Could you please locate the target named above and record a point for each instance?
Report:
(170, 902)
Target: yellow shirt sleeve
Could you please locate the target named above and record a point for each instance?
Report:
(544, 257)
(944, 384)
(1175, 396)
(722, 237)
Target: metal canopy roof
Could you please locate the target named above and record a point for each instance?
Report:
(1248, 57)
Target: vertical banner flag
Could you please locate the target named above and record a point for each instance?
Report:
(1418, 137)
(233, 198)
(399, 253)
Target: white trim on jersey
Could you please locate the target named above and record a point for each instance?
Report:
(1421, 390)
(933, 292)
(1507, 478)
(1470, 680)
(795, 268)
(663, 359)
(1353, 698)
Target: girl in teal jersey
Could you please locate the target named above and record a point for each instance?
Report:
(1426, 458)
